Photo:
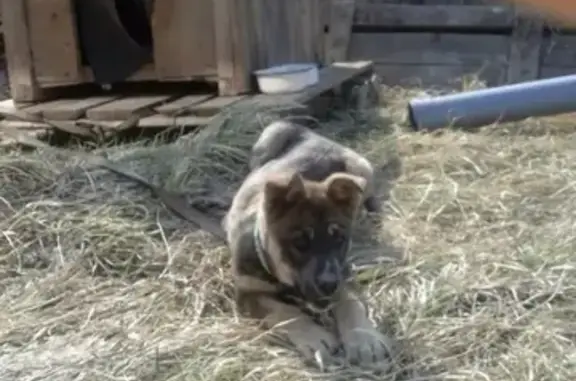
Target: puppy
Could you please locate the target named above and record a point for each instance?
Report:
(308, 151)
(289, 229)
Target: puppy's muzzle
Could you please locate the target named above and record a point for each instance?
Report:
(322, 279)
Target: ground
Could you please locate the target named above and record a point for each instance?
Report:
(472, 267)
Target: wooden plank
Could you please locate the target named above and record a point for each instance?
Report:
(9, 105)
(56, 57)
(330, 78)
(556, 71)
(17, 47)
(124, 108)
(559, 51)
(233, 40)
(179, 121)
(525, 48)
(272, 33)
(284, 31)
(68, 109)
(433, 16)
(429, 48)
(214, 105)
(184, 41)
(339, 30)
(448, 76)
(301, 25)
(322, 20)
(183, 104)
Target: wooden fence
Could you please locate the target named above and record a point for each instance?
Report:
(434, 42)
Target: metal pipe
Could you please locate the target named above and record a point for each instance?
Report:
(497, 104)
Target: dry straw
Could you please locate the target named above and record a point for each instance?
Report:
(99, 282)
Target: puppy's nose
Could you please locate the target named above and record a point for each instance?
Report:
(329, 278)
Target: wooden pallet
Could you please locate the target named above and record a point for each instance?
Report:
(116, 112)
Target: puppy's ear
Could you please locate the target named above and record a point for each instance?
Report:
(345, 189)
(283, 191)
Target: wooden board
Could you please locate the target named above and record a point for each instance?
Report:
(53, 40)
(233, 42)
(184, 41)
(124, 108)
(23, 85)
(167, 121)
(369, 13)
(214, 105)
(525, 49)
(68, 109)
(448, 76)
(555, 71)
(339, 30)
(559, 51)
(430, 48)
(284, 31)
(182, 105)
(330, 78)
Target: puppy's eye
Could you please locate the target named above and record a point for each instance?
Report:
(302, 238)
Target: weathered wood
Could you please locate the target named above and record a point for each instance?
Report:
(23, 85)
(330, 78)
(339, 30)
(68, 109)
(433, 16)
(182, 105)
(184, 41)
(284, 31)
(431, 75)
(178, 121)
(301, 25)
(559, 51)
(556, 71)
(232, 32)
(53, 41)
(429, 48)
(525, 48)
(125, 108)
(27, 124)
(322, 20)
(214, 105)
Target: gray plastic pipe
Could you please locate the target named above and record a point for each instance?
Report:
(497, 104)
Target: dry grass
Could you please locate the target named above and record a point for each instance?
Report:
(97, 282)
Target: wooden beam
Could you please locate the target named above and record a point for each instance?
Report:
(339, 30)
(433, 16)
(525, 48)
(23, 85)
(54, 41)
(233, 49)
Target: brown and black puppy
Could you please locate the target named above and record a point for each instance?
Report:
(289, 231)
(299, 147)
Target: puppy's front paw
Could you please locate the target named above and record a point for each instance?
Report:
(316, 344)
(365, 346)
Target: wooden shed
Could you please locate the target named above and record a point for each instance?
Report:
(59, 43)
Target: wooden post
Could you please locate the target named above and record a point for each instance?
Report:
(23, 85)
(525, 48)
(233, 46)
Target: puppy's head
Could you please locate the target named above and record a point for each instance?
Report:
(310, 224)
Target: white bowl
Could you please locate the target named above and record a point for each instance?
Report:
(287, 78)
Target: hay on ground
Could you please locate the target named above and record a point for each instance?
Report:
(99, 282)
